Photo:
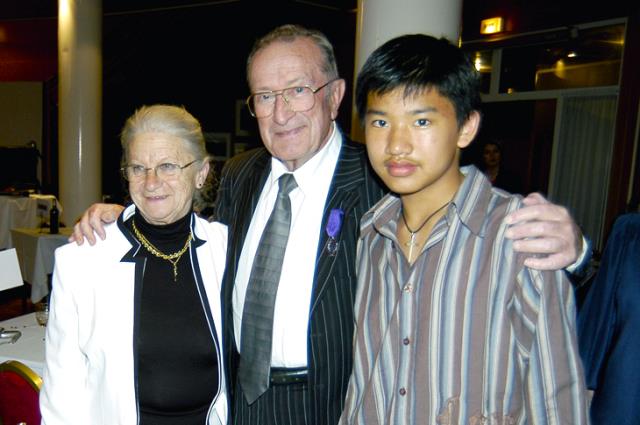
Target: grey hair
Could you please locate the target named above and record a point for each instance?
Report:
(290, 33)
(178, 122)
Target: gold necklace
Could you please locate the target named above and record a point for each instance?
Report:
(172, 258)
(412, 242)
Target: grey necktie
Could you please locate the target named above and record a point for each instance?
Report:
(257, 316)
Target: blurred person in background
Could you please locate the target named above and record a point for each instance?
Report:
(494, 168)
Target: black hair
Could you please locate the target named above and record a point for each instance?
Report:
(495, 142)
(420, 62)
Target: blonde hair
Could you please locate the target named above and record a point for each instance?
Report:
(178, 122)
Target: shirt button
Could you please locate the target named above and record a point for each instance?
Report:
(402, 391)
(408, 288)
(406, 341)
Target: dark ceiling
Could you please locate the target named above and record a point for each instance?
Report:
(192, 52)
(523, 16)
(30, 9)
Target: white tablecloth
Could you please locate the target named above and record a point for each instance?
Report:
(35, 249)
(29, 349)
(16, 211)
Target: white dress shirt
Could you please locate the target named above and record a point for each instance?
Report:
(291, 316)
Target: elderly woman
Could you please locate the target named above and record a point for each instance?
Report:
(134, 332)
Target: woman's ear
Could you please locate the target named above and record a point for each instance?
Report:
(201, 176)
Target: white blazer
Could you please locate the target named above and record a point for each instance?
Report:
(89, 372)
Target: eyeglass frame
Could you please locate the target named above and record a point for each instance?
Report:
(123, 170)
(277, 93)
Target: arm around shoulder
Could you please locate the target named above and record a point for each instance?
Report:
(546, 230)
(92, 222)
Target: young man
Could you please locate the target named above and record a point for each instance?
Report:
(451, 326)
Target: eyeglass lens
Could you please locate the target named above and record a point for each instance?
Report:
(298, 99)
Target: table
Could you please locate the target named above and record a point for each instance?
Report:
(23, 211)
(35, 249)
(16, 212)
(29, 349)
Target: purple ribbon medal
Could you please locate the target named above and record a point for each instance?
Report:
(334, 224)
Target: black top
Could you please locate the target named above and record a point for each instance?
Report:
(177, 360)
(508, 181)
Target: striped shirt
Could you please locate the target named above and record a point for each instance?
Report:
(467, 334)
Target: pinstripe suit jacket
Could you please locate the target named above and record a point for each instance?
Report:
(354, 189)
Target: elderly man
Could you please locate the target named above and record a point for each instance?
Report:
(288, 299)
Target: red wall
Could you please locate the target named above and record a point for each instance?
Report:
(28, 50)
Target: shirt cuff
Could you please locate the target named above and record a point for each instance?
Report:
(583, 259)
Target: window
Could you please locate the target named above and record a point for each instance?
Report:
(586, 58)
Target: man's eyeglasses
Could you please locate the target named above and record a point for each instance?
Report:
(299, 99)
(165, 171)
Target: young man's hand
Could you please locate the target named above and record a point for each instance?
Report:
(541, 227)
(92, 222)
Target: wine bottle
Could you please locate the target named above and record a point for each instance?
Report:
(54, 216)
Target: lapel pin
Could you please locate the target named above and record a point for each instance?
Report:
(334, 224)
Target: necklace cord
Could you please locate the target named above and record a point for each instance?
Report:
(413, 232)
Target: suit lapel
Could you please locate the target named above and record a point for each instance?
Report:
(248, 200)
(344, 194)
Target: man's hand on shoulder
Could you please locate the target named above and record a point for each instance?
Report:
(92, 222)
(540, 227)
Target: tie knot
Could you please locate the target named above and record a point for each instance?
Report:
(286, 184)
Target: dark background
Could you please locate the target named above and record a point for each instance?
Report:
(193, 53)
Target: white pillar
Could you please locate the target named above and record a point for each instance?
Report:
(80, 105)
(381, 20)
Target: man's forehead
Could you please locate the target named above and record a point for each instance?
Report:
(296, 62)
